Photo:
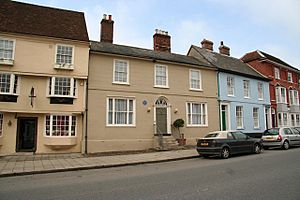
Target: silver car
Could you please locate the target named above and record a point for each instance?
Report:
(281, 137)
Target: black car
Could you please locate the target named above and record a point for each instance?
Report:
(226, 143)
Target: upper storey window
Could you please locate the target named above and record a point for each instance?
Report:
(195, 80)
(290, 77)
(161, 76)
(121, 72)
(7, 51)
(64, 57)
(277, 73)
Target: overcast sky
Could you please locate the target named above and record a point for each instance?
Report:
(272, 26)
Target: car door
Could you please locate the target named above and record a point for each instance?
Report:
(297, 136)
(290, 136)
(243, 144)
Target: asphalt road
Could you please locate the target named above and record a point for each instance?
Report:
(274, 174)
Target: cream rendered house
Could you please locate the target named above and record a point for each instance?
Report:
(43, 73)
(135, 95)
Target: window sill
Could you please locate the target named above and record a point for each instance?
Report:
(196, 90)
(64, 66)
(260, 99)
(195, 126)
(229, 95)
(120, 126)
(161, 87)
(60, 141)
(6, 62)
(121, 83)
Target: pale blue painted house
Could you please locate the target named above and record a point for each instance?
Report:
(243, 92)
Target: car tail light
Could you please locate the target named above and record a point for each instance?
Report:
(279, 138)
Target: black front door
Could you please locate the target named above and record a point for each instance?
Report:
(26, 137)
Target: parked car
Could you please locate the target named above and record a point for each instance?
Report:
(227, 143)
(281, 137)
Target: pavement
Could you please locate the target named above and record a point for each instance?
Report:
(17, 165)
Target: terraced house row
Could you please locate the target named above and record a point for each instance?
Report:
(61, 92)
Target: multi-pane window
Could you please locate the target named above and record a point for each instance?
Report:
(6, 49)
(277, 73)
(195, 80)
(64, 54)
(197, 114)
(293, 97)
(230, 86)
(256, 117)
(121, 71)
(246, 84)
(290, 77)
(60, 125)
(260, 90)
(62, 87)
(8, 84)
(282, 119)
(239, 117)
(280, 94)
(1, 124)
(161, 76)
(120, 111)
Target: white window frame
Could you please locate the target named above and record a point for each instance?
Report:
(199, 79)
(51, 92)
(113, 124)
(246, 86)
(167, 79)
(12, 86)
(260, 89)
(8, 61)
(1, 124)
(256, 117)
(281, 119)
(230, 85)
(279, 94)
(290, 77)
(127, 71)
(276, 73)
(68, 66)
(293, 97)
(69, 128)
(203, 116)
(241, 118)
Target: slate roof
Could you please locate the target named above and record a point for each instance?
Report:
(260, 55)
(104, 47)
(17, 17)
(228, 64)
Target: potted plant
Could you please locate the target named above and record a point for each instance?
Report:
(178, 123)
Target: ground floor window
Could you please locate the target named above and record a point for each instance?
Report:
(256, 117)
(1, 124)
(60, 125)
(196, 114)
(239, 117)
(120, 111)
(295, 119)
(282, 119)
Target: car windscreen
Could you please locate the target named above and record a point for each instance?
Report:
(212, 135)
(272, 131)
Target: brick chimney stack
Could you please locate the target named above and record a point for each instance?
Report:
(224, 50)
(107, 29)
(207, 44)
(161, 41)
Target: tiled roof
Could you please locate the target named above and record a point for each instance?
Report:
(228, 64)
(104, 47)
(277, 60)
(16, 17)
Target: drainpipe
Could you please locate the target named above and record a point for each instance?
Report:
(219, 101)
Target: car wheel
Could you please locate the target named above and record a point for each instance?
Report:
(285, 145)
(225, 153)
(257, 149)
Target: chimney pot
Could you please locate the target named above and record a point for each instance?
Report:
(109, 17)
(161, 41)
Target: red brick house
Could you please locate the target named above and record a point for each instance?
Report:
(284, 87)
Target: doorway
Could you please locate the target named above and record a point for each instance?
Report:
(162, 117)
(224, 117)
(26, 134)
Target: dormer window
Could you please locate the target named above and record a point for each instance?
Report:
(6, 51)
(64, 57)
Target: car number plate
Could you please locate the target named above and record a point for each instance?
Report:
(269, 138)
(204, 144)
